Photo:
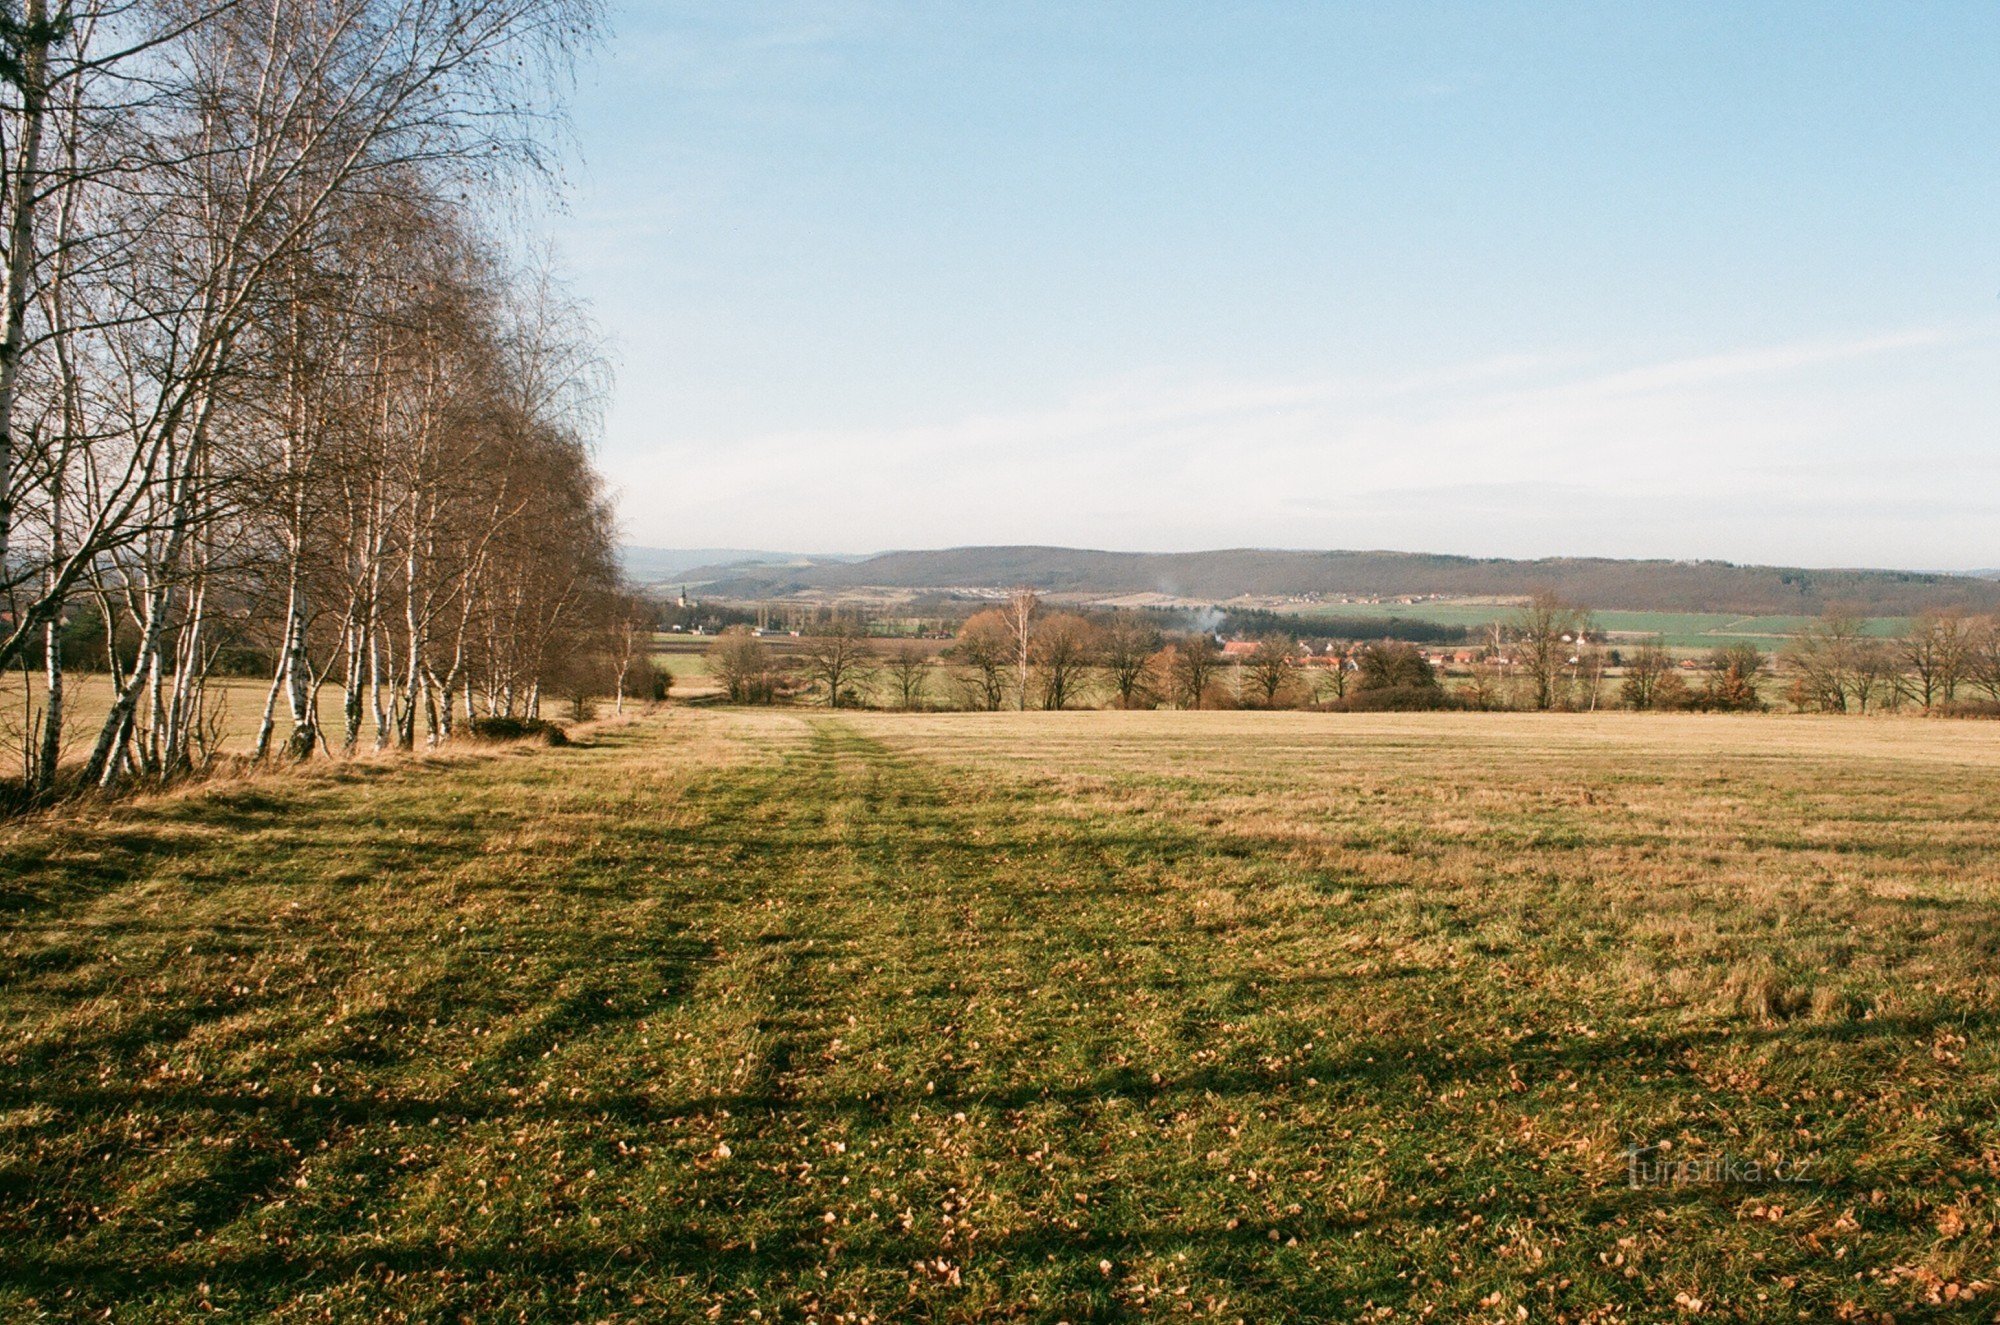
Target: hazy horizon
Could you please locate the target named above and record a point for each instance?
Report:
(864, 554)
(1678, 284)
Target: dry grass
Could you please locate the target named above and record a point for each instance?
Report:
(237, 703)
(1060, 1016)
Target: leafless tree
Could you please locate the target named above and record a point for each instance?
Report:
(631, 645)
(1272, 667)
(837, 659)
(984, 649)
(1982, 657)
(1329, 677)
(1876, 674)
(1065, 648)
(742, 663)
(266, 385)
(1193, 662)
(1545, 638)
(1644, 666)
(1393, 665)
(1129, 643)
(909, 666)
(1835, 666)
(1731, 683)
(1933, 654)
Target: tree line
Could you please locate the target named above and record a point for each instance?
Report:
(273, 384)
(1947, 662)
(1545, 656)
(1020, 655)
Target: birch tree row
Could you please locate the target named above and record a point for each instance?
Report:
(269, 385)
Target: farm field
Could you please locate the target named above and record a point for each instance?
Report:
(686, 658)
(1077, 1016)
(237, 703)
(1681, 630)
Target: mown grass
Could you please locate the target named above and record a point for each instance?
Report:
(1050, 1016)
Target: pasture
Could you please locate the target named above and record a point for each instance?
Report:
(775, 1015)
(1680, 630)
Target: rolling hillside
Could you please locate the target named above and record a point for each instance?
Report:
(1678, 586)
(654, 565)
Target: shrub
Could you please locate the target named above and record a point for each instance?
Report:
(1396, 699)
(742, 663)
(1394, 678)
(1672, 694)
(1392, 666)
(1966, 708)
(1649, 664)
(239, 660)
(517, 729)
(1732, 683)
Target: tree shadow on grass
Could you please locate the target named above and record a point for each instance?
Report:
(840, 800)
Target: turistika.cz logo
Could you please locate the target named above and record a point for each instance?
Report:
(1657, 1166)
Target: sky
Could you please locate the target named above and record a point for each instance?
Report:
(1692, 281)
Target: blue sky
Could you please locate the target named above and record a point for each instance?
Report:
(1671, 280)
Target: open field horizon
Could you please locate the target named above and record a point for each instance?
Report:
(1591, 919)
(1677, 630)
(1061, 1015)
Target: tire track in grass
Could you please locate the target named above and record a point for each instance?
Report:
(958, 1011)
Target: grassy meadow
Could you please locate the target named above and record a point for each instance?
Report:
(778, 1015)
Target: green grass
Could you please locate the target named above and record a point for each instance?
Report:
(1053, 1016)
(1693, 630)
(683, 655)
(1681, 630)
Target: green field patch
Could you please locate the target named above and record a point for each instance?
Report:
(1681, 630)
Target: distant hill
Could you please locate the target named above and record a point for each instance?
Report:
(1667, 586)
(654, 565)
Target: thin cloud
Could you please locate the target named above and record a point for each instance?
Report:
(1531, 455)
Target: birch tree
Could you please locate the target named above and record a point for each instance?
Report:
(271, 382)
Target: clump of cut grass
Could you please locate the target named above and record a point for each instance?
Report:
(1757, 989)
(1215, 909)
(1835, 1002)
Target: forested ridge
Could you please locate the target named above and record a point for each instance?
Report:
(1677, 586)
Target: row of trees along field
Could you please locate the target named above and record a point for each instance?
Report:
(1545, 656)
(1944, 661)
(273, 394)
